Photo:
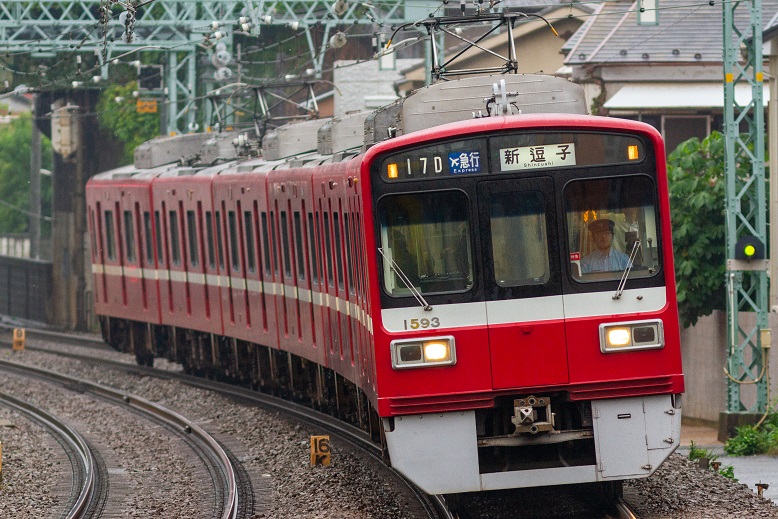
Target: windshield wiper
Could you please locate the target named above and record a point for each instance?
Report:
(625, 274)
(406, 281)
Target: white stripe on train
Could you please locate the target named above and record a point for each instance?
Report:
(461, 315)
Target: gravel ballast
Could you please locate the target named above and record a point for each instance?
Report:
(272, 449)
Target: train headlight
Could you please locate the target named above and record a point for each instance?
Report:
(419, 353)
(635, 335)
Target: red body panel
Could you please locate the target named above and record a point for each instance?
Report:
(552, 346)
(126, 287)
(247, 294)
(186, 300)
(281, 293)
(528, 354)
(290, 196)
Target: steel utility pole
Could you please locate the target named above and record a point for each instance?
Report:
(746, 220)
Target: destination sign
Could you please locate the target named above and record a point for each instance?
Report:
(537, 157)
(440, 160)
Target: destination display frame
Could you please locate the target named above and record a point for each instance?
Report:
(511, 153)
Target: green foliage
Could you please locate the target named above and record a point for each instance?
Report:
(15, 154)
(697, 185)
(747, 440)
(755, 439)
(123, 121)
(728, 472)
(696, 453)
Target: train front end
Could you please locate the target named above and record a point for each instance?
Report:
(528, 329)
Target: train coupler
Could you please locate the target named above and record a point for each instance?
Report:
(532, 414)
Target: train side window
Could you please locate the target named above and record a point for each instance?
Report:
(349, 251)
(109, 235)
(92, 235)
(129, 234)
(266, 245)
(273, 241)
(328, 248)
(298, 240)
(360, 249)
(209, 238)
(233, 235)
(160, 249)
(312, 249)
(248, 227)
(609, 221)
(338, 248)
(285, 252)
(191, 227)
(148, 238)
(175, 250)
(517, 219)
(219, 243)
(139, 235)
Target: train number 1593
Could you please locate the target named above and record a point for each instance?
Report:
(415, 324)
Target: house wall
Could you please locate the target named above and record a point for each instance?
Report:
(362, 86)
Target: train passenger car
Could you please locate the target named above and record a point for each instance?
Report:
(493, 298)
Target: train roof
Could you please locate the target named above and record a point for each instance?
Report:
(319, 141)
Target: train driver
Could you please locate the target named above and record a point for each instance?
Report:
(604, 257)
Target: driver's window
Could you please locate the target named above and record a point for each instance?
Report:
(426, 242)
(612, 224)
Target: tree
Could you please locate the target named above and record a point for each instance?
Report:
(117, 114)
(696, 172)
(15, 175)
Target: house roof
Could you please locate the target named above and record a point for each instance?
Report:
(686, 33)
(770, 28)
(539, 6)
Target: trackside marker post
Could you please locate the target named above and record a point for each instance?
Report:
(18, 339)
(320, 451)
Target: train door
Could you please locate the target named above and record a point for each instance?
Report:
(298, 203)
(237, 322)
(288, 303)
(115, 282)
(525, 313)
(323, 221)
(141, 291)
(98, 252)
(201, 305)
(252, 211)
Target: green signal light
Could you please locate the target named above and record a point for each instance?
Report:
(749, 248)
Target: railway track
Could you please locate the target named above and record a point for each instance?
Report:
(232, 489)
(434, 506)
(88, 492)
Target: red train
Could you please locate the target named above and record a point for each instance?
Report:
(493, 298)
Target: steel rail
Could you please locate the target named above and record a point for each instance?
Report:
(179, 423)
(625, 510)
(434, 505)
(83, 460)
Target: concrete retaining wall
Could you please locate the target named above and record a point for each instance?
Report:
(704, 349)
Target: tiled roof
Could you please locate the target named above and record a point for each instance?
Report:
(687, 32)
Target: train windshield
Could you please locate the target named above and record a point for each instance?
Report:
(426, 238)
(609, 221)
(518, 236)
